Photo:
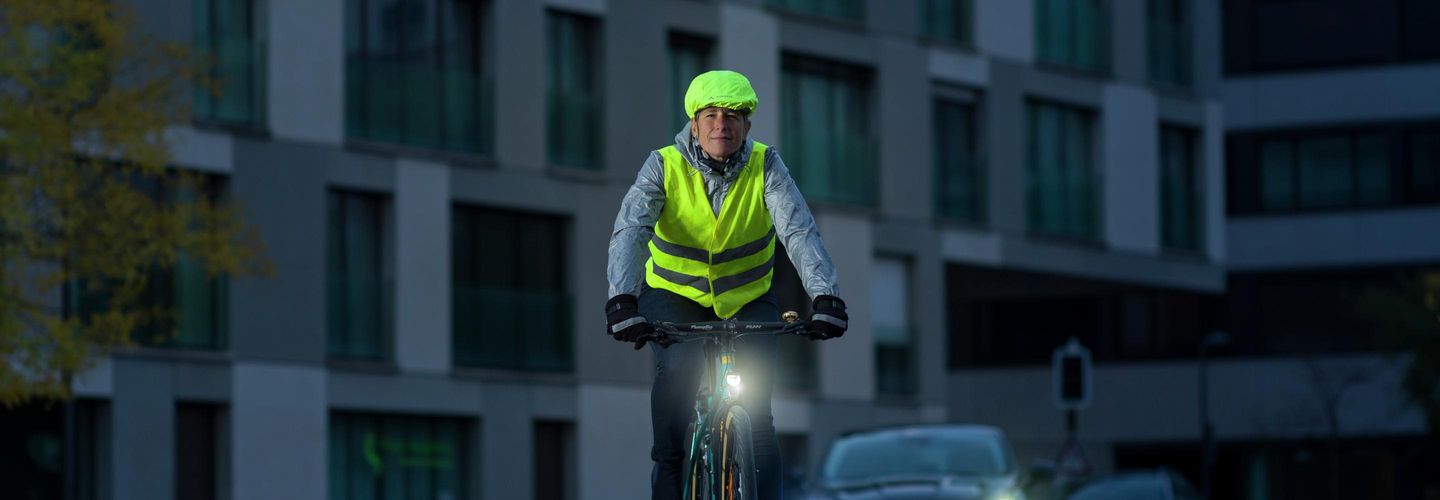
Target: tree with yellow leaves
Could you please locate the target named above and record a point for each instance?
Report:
(84, 105)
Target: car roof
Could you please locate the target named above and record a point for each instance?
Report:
(963, 429)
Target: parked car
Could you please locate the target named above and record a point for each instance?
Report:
(921, 461)
(1158, 484)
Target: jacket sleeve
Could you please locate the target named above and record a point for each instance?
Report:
(634, 225)
(796, 229)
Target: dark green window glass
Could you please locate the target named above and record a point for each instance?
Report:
(574, 94)
(414, 74)
(360, 276)
(959, 177)
(946, 19)
(828, 142)
(181, 306)
(1424, 168)
(1168, 27)
(231, 57)
(689, 57)
(510, 306)
(391, 457)
(1074, 33)
(849, 10)
(1181, 218)
(895, 360)
(1062, 179)
(1326, 171)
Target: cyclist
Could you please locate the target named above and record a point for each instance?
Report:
(695, 241)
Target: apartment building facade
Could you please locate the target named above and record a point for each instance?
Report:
(435, 181)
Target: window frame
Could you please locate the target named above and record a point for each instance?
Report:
(358, 107)
(1095, 176)
(974, 101)
(384, 247)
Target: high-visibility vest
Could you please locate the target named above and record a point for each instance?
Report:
(719, 261)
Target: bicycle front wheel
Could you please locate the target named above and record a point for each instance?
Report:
(736, 450)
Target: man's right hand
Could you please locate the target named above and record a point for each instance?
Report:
(623, 319)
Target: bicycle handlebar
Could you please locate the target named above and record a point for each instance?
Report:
(667, 333)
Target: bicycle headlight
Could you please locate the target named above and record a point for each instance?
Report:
(733, 380)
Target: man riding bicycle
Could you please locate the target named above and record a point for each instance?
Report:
(695, 241)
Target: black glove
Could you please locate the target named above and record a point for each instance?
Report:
(623, 320)
(828, 319)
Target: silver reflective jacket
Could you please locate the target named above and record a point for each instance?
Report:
(640, 209)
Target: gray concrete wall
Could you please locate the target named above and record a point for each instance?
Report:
(422, 279)
(1130, 150)
(1335, 239)
(1159, 402)
(1351, 95)
(280, 188)
(278, 431)
(305, 87)
(143, 409)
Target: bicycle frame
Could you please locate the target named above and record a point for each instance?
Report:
(718, 393)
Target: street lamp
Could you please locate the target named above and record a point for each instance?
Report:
(1213, 339)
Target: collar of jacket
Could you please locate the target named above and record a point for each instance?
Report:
(690, 150)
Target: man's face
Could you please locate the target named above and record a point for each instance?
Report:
(720, 131)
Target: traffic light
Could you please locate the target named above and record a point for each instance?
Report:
(1070, 365)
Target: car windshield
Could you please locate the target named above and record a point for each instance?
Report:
(902, 453)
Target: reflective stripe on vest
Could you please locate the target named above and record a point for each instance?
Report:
(720, 261)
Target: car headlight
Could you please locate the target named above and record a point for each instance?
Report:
(1008, 494)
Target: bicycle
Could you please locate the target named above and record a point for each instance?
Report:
(720, 462)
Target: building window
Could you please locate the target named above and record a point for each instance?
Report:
(1181, 199)
(689, 56)
(555, 468)
(1062, 181)
(510, 306)
(32, 450)
(231, 56)
(798, 366)
(1007, 317)
(414, 74)
(848, 10)
(198, 448)
(183, 306)
(959, 175)
(1169, 41)
(1335, 169)
(1268, 36)
(1324, 171)
(1310, 311)
(895, 360)
(1073, 33)
(829, 142)
(947, 20)
(360, 276)
(391, 457)
(1424, 165)
(573, 82)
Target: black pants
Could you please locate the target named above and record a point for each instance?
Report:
(678, 372)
